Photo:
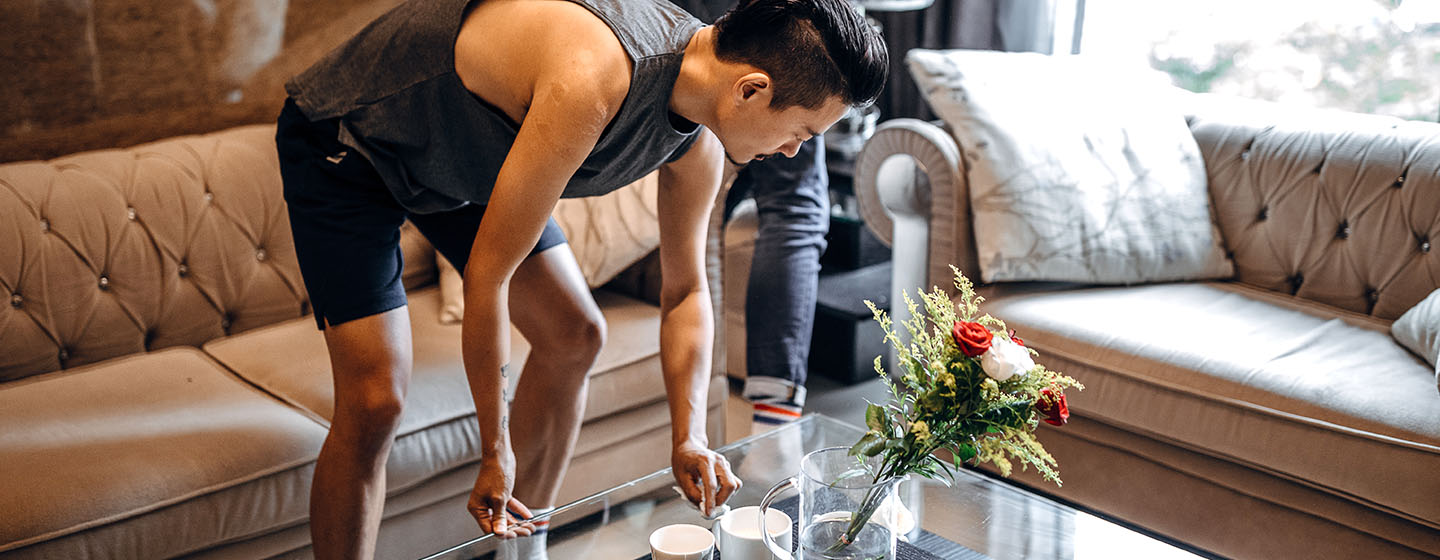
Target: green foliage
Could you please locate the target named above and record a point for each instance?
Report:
(943, 400)
(1200, 77)
(1370, 65)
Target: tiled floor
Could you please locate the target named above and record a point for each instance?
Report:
(844, 402)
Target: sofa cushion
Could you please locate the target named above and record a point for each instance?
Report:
(606, 234)
(1078, 170)
(147, 456)
(611, 232)
(1333, 207)
(1241, 373)
(437, 431)
(1419, 330)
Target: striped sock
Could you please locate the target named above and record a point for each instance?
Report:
(532, 547)
(770, 413)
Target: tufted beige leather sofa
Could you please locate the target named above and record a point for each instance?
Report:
(1269, 416)
(164, 393)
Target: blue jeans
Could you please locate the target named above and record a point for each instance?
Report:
(793, 199)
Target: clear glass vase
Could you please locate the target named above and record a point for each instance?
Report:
(842, 509)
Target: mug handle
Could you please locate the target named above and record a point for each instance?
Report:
(787, 484)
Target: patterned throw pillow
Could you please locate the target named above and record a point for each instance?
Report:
(1419, 330)
(1077, 172)
(607, 234)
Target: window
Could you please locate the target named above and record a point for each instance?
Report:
(1367, 56)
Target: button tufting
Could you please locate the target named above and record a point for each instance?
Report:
(260, 254)
(64, 354)
(104, 282)
(44, 225)
(1296, 281)
(16, 301)
(209, 197)
(1372, 295)
(1245, 155)
(1424, 245)
(130, 213)
(1343, 232)
(225, 322)
(184, 270)
(1264, 213)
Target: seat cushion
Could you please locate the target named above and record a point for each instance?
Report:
(437, 431)
(148, 456)
(1303, 392)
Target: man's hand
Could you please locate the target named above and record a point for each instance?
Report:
(704, 476)
(491, 503)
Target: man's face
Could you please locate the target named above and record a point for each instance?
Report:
(757, 131)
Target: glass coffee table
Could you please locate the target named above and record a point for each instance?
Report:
(977, 517)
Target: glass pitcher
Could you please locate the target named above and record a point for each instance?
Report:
(844, 513)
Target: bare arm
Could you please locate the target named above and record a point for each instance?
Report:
(565, 118)
(688, 187)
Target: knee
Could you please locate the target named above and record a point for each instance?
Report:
(575, 342)
(794, 222)
(382, 409)
(369, 415)
(587, 336)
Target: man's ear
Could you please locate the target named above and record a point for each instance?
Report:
(755, 86)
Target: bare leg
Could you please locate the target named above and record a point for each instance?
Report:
(371, 359)
(551, 305)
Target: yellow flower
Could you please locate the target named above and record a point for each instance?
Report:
(948, 380)
(991, 387)
(921, 430)
(937, 366)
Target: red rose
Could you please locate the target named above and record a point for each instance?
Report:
(1016, 339)
(973, 339)
(1053, 406)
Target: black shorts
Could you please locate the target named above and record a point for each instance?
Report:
(346, 224)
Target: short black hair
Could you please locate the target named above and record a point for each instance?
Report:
(812, 49)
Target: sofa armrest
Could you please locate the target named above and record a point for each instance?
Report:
(741, 231)
(918, 204)
(715, 244)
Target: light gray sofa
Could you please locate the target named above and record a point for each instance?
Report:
(1269, 416)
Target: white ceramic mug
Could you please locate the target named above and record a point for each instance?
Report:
(737, 534)
(681, 542)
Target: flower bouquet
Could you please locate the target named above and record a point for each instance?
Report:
(967, 386)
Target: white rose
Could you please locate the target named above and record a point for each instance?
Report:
(1005, 358)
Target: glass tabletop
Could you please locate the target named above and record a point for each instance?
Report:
(985, 515)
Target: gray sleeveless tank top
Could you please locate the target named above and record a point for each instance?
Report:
(399, 103)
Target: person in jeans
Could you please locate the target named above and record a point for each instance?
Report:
(471, 118)
(792, 199)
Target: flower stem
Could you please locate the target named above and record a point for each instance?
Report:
(871, 502)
